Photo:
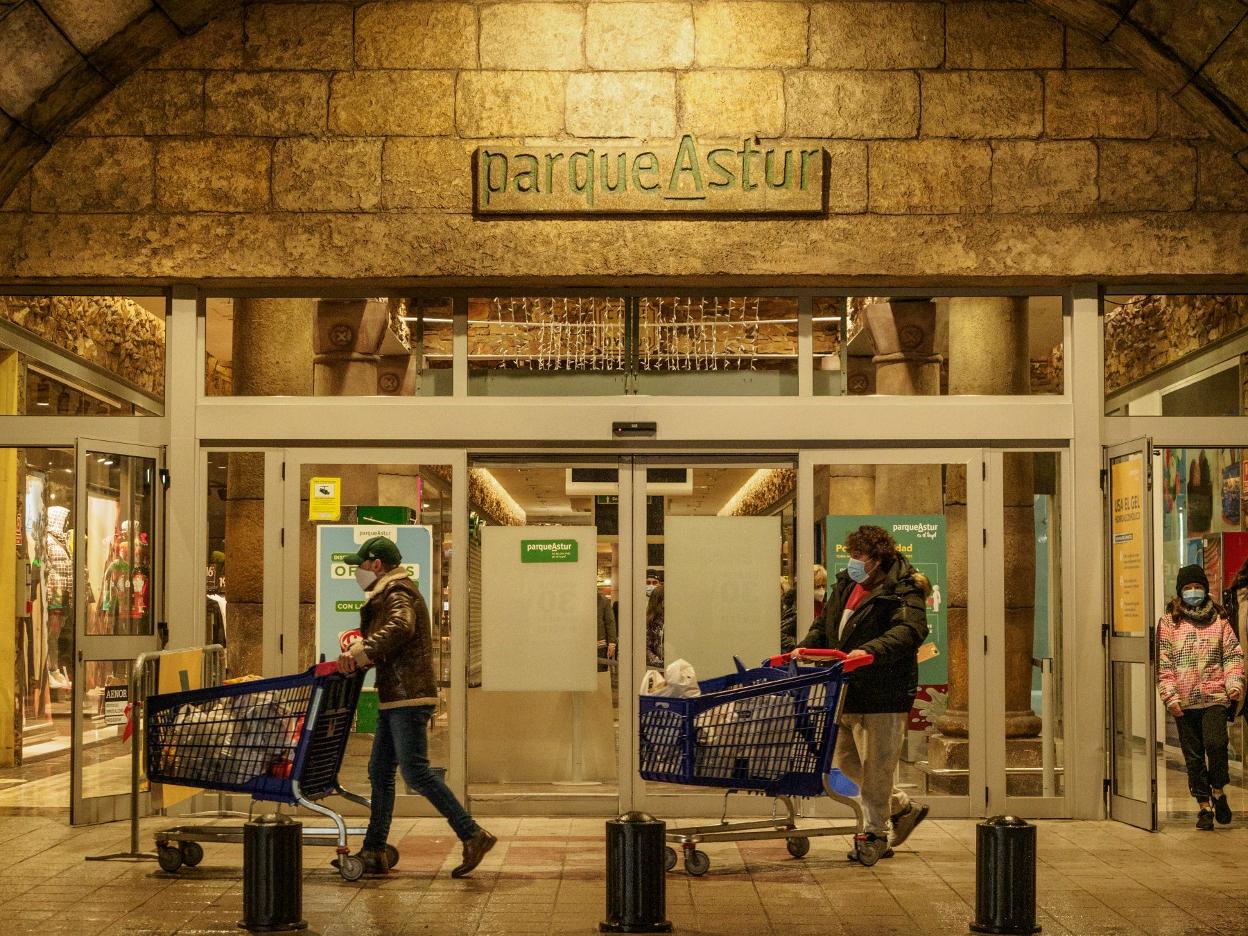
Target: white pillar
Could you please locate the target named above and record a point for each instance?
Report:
(185, 559)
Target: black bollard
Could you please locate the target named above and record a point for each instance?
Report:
(636, 877)
(1005, 877)
(273, 875)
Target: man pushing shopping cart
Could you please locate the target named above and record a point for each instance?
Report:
(876, 607)
(396, 639)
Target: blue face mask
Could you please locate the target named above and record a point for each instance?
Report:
(857, 570)
(1194, 598)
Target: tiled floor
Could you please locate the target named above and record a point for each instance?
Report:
(546, 876)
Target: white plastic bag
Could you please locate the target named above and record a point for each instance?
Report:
(652, 682)
(679, 682)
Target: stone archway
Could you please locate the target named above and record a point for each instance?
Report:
(58, 58)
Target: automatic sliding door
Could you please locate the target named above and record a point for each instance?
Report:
(543, 686)
(931, 504)
(713, 558)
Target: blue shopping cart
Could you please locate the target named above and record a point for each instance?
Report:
(769, 731)
(279, 740)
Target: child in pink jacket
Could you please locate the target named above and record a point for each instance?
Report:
(1200, 672)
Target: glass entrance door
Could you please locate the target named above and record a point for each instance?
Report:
(1132, 676)
(116, 556)
(713, 580)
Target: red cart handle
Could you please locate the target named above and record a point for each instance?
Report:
(805, 653)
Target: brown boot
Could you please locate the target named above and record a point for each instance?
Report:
(474, 850)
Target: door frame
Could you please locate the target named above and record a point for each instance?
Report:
(101, 647)
(284, 472)
(1127, 649)
(987, 743)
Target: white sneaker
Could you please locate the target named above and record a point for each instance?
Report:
(57, 679)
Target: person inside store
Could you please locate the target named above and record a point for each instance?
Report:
(654, 625)
(788, 609)
(608, 632)
(396, 640)
(1200, 676)
(876, 606)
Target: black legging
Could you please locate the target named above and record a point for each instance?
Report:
(1202, 733)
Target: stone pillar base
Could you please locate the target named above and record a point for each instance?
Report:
(947, 753)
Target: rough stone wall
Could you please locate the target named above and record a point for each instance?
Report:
(1148, 333)
(113, 332)
(333, 140)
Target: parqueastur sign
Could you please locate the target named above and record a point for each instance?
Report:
(747, 176)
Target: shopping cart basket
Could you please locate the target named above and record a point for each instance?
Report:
(280, 740)
(769, 731)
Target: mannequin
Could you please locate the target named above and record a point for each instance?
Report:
(60, 585)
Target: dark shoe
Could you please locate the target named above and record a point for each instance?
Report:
(474, 850)
(906, 822)
(869, 848)
(1222, 810)
(1204, 821)
(374, 860)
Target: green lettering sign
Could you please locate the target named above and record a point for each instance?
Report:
(744, 176)
(548, 551)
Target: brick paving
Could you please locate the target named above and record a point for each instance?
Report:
(546, 876)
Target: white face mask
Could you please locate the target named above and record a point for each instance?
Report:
(819, 593)
(650, 589)
(365, 578)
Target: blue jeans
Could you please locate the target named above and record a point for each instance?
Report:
(402, 742)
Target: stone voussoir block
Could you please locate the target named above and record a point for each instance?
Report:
(750, 33)
(427, 173)
(621, 104)
(393, 103)
(998, 35)
(1048, 175)
(328, 174)
(509, 103)
(298, 36)
(930, 176)
(86, 174)
(877, 35)
(33, 57)
(407, 34)
(1147, 175)
(1098, 103)
(728, 103)
(638, 36)
(982, 104)
(213, 174)
(853, 104)
(265, 103)
(536, 35)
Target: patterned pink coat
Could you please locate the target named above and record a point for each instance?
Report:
(1198, 666)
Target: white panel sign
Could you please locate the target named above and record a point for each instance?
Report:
(721, 584)
(539, 609)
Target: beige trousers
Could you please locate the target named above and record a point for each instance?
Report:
(867, 750)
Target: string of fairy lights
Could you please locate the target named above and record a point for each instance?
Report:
(589, 333)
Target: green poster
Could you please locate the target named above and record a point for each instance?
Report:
(921, 539)
(548, 550)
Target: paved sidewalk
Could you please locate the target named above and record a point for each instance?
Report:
(546, 876)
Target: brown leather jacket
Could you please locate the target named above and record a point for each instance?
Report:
(397, 640)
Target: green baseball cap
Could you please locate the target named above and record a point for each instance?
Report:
(376, 548)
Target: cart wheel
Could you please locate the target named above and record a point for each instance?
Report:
(799, 847)
(169, 858)
(351, 867)
(669, 858)
(192, 853)
(697, 863)
(392, 856)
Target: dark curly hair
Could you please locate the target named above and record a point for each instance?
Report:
(873, 542)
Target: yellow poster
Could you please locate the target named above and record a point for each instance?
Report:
(325, 499)
(179, 672)
(1126, 492)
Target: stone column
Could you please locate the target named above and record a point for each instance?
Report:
(903, 333)
(988, 354)
(272, 356)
